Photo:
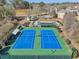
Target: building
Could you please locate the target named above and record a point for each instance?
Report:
(46, 18)
(61, 13)
(15, 31)
(49, 23)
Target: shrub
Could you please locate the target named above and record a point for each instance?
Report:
(0, 46)
(68, 41)
(74, 52)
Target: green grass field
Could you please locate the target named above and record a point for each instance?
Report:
(37, 46)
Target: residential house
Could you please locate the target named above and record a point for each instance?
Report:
(61, 13)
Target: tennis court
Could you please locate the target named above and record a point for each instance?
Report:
(27, 37)
(39, 42)
(49, 40)
(25, 40)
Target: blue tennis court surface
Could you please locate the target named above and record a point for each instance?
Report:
(47, 33)
(25, 40)
(49, 40)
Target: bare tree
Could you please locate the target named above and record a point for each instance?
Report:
(68, 21)
(5, 9)
(71, 26)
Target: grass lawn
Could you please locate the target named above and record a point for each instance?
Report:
(28, 12)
